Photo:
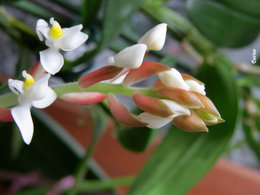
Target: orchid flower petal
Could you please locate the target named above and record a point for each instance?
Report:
(42, 29)
(5, 115)
(176, 108)
(23, 119)
(71, 39)
(172, 78)
(104, 73)
(152, 105)
(146, 70)
(118, 79)
(122, 114)
(84, 98)
(47, 100)
(196, 87)
(39, 89)
(190, 123)
(153, 121)
(16, 86)
(130, 57)
(187, 98)
(51, 60)
(155, 38)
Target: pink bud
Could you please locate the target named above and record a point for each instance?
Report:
(84, 98)
(104, 73)
(190, 123)
(208, 105)
(152, 105)
(181, 96)
(157, 85)
(122, 114)
(146, 70)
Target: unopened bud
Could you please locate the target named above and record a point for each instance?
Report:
(190, 123)
(130, 57)
(155, 38)
(208, 118)
(172, 78)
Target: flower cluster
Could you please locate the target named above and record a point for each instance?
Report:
(180, 97)
(34, 90)
(177, 98)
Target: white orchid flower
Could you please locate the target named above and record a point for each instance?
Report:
(155, 38)
(31, 92)
(57, 38)
(130, 57)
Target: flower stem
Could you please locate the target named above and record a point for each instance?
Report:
(10, 99)
(82, 169)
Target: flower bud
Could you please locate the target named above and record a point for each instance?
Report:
(172, 78)
(130, 57)
(190, 123)
(155, 38)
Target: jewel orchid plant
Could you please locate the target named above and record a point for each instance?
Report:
(174, 97)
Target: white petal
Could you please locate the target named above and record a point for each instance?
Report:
(172, 78)
(176, 108)
(15, 86)
(42, 29)
(111, 60)
(51, 60)
(117, 79)
(195, 86)
(39, 89)
(130, 57)
(23, 119)
(47, 101)
(155, 38)
(71, 39)
(153, 121)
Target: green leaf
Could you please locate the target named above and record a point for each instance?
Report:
(182, 158)
(248, 6)
(89, 10)
(136, 139)
(251, 80)
(24, 61)
(34, 9)
(116, 14)
(249, 130)
(222, 24)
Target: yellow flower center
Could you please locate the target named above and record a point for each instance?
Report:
(28, 80)
(56, 31)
